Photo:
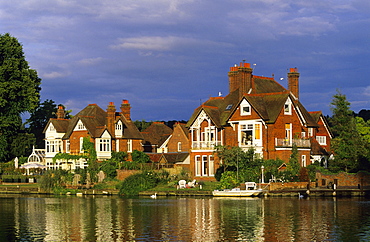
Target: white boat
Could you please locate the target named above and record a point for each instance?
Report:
(250, 191)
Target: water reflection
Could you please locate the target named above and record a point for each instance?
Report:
(183, 219)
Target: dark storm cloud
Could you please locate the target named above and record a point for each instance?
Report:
(168, 56)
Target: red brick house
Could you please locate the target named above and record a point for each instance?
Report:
(257, 113)
(108, 130)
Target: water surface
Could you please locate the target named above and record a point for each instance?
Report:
(48, 218)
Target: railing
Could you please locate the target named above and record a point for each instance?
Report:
(303, 143)
(204, 145)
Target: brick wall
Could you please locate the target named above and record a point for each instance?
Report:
(278, 186)
(343, 179)
(123, 174)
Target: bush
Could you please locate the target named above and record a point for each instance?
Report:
(136, 183)
(228, 180)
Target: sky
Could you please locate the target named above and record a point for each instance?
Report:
(167, 56)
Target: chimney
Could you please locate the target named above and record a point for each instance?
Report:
(111, 114)
(245, 78)
(61, 114)
(293, 82)
(240, 77)
(126, 109)
(233, 79)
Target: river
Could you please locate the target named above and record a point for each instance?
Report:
(112, 218)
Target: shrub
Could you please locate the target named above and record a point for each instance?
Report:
(228, 180)
(136, 183)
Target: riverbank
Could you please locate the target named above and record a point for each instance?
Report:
(26, 189)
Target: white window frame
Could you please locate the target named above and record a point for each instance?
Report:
(288, 131)
(118, 129)
(129, 145)
(321, 139)
(179, 146)
(117, 145)
(198, 165)
(288, 107)
(244, 128)
(81, 144)
(304, 160)
(104, 145)
(211, 165)
(205, 165)
(310, 132)
(244, 112)
(68, 146)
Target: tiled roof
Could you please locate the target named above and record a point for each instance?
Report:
(317, 149)
(267, 98)
(168, 157)
(156, 133)
(95, 120)
(60, 125)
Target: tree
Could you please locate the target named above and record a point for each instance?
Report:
(347, 144)
(293, 167)
(245, 164)
(140, 157)
(19, 91)
(40, 117)
(142, 124)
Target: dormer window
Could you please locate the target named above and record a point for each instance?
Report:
(119, 126)
(119, 129)
(288, 107)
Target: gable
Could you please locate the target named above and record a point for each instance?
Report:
(203, 116)
(80, 126)
(105, 135)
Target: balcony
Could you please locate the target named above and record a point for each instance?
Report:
(205, 145)
(288, 143)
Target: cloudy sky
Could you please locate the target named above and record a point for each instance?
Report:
(168, 56)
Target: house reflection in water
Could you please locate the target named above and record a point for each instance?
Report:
(186, 219)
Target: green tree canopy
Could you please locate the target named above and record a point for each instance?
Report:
(19, 91)
(348, 145)
(40, 117)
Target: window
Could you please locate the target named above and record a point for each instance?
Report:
(51, 127)
(54, 146)
(179, 146)
(205, 165)
(246, 134)
(119, 126)
(81, 144)
(68, 146)
(104, 144)
(209, 134)
(197, 165)
(310, 132)
(288, 131)
(257, 131)
(288, 107)
(211, 165)
(321, 140)
(229, 107)
(245, 109)
(129, 145)
(303, 134)
(117, 145)
(304, 164)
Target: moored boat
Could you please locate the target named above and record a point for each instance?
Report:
(250, 191)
